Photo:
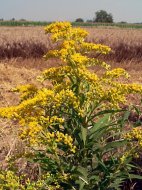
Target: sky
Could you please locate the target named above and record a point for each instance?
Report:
(60, 10)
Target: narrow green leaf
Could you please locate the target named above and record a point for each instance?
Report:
(108, 111)
(115, 144)
(83, 134)
(83, 177)
(125, 117)
(102, 122)
(133, 176)
(83, 173)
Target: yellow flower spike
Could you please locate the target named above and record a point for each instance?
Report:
(135, 136)
(79, 59)
(57, 27)
(59, 137)
(98, 48)
(63, 30)
(26, 91)
(116, 73)
(140, 142)
(68, 44)
(70, 139)
(73, 149)
(52, 135)
(123, 158)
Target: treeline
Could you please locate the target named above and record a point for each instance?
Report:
(97, 24)
(23, 23)
(83, 24)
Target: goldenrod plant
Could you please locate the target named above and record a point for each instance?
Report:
(74, 128)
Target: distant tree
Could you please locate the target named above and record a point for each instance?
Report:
(90, 21)
(103, 16)
(1, 19)
(123, 22)
(79, 20)
(22, 20)
(13, 19)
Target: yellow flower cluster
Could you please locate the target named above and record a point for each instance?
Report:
(29, 107)
(72, 42)
(57, 27)
(135, 135)
(63, 30)
(87, 75)
(125, 156)
(79, 59)
(135, 88)
(56, 74)
(67, 98)
(62, 54)
(59, 137)
(31, 112)
(98, 48)
(26, 91)
(74, 52)
(51, 120)
(31, 132)
(115, 73)
(78, 34)
(68, 44)
(8, 180)
(9, 112)
(97, 62)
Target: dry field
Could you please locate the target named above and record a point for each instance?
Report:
(21, 51)
(22, 48)
(32, 42)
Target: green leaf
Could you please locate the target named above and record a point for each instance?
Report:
(83, 177)
(116, 184)
(108, 111)
(133, 176)
(124, 118)
(83, 172)
(137, 110)
(95, 177)
(98, 134)
(101, 123)
(103, 166)
(83, 134)
(80, 183)
(115, 144)
(132, 166)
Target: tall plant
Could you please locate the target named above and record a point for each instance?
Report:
(74, 128)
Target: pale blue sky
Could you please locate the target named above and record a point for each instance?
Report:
(51, 10)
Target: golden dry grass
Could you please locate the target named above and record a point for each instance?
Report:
(111, 36)
(22, 34)
(32, 42)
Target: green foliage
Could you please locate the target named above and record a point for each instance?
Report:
(23, 23)
(79, 20)
(119, 25)
(89, 23)
(103, 16)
